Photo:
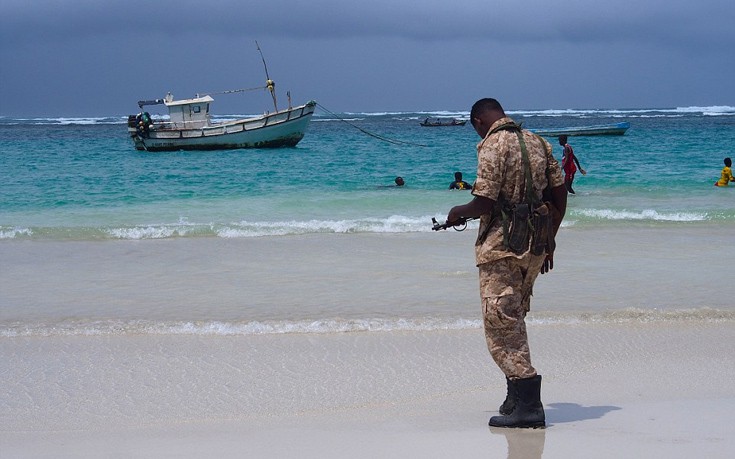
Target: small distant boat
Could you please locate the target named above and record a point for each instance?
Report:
(602, 129)
(190, 127)
(431, 122)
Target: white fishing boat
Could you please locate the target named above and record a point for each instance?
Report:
(190, 127)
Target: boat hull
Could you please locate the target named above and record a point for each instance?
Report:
(281, 129)
(437, 122)
(607, 129)
(459, 123)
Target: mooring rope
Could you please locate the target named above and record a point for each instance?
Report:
(371, 134)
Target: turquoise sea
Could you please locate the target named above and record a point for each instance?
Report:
(81, 178)
(96, 237)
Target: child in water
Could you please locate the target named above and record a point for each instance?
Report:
(726, 175)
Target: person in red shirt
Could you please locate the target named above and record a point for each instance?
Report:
(568, 163)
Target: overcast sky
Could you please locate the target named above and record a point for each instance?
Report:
(98, 57)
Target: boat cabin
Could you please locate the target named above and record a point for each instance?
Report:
(192, 113)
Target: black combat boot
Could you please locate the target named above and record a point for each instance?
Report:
(529, 412)
(510, 400)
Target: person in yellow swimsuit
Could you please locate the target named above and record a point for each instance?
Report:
(458, 183)
(726, 176)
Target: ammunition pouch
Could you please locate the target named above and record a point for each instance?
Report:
(542, 239)
(516, 228)
(523, 226)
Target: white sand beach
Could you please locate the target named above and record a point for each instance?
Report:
(612, 388)
(609, 391)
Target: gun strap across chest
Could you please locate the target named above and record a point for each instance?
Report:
(530, 196)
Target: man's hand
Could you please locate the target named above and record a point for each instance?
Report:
(455, 214)
(473, 209)
(548, 263)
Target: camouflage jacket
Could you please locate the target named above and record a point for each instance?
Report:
(500, 176)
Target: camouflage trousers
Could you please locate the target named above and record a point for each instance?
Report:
(506, 286)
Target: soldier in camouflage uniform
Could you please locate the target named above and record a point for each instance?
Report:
(506, 277)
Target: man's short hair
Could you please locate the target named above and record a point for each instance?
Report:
(485, 105)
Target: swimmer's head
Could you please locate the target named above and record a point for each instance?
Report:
(728, 162)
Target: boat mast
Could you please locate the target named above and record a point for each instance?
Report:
(270, 84)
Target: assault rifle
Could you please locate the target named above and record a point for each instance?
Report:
(459, 225)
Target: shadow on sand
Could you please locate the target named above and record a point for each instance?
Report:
(529, 443)
(558, 413)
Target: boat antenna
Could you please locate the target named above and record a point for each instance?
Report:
(270, 84)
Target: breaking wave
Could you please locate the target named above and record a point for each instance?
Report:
(392, 224)
(639, 215)
(323, 326)
(715, 110)
(241, 229)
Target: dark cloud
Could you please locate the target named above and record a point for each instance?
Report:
(675, 20)
(378, 55)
